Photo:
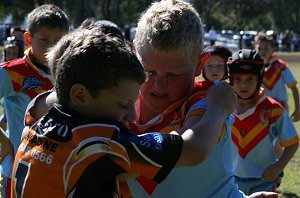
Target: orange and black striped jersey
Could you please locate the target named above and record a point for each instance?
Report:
(65, 155)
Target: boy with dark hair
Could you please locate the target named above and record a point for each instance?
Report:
(22, 79)
(81, 145)
(259, 122)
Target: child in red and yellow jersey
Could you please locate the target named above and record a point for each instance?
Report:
(259, 122)
(277, 75)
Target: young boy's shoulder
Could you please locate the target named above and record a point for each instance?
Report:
(14, 63)
(279, 62)
(272, 103)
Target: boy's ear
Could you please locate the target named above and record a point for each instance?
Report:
(79, 95)
(27, 38)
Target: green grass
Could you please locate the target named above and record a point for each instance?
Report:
(290, 187)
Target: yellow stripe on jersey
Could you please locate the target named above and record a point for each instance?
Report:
(15, 77)
(292, 84)
(290, 142)
(244, 141)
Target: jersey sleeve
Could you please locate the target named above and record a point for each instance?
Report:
(289, 78)
(29, 117)
(153, 155)
(285, 130)
(6, 88)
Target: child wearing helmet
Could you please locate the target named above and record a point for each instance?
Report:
(215, 64)
(260, 121)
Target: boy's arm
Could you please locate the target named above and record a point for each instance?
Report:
(274, 170)
(6, 146)
(203, 134)
(296, 114)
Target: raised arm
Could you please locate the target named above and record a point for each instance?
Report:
(201, 138)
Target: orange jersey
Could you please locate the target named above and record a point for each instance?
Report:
(65, 155)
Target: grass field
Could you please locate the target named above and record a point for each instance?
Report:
(290, 187)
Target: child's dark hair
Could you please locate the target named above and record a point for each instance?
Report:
(107, 27)
(96, 61)
(262, 37)
(47, 15)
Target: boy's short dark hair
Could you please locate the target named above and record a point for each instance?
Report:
(47, 15)
(97, 61)
(107, 27)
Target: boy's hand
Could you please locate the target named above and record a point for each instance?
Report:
(295, 116)
(222, 95)
(6, 149)
(271, 172)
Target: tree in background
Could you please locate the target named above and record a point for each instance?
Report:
(226, 14)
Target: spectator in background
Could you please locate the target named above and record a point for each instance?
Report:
(12, 49)
(212, 34)
(17, 32)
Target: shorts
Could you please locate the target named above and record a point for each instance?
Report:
(252, 185)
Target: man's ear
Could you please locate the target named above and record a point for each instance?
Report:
(79, 95)
(27, 38)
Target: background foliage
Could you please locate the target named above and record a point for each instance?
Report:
(223, 14)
